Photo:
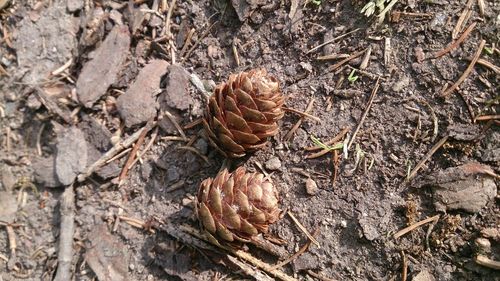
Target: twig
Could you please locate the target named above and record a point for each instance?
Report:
(198, 41)
(62, 68)
(461, 19)
(167, 19)
(489, 65)
(136, 223)
(333, 57)
(269, 247)
(290, 133)
(342, 62)
(12, 240)
(331, 40)
(487, 117)
(67, 230)
(295, 255)
(113, 151)
(457, 42)
(38, 140)
(485, 261)
(176, 125)
(191, 236)
(329, 142)
(363, 117)
(304, 114)
(301, 227)
(467, 71)
(195, 151)
(132, 155)
(427, 157)
(235, 52)
(414, 226)
(187, 42)
(119, 155)
(148, 146)
(320, 277)
(404, 274)
(193, 124)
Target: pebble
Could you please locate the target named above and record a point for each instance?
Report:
(273, 164)
(483, 245)
(311, 187)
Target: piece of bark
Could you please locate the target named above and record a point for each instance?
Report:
(102, 71)
(138, 104)
(106, 255)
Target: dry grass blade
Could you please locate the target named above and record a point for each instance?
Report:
(176, 125)
(487, 117)
(301, 227)
(132, 155)
(195, 151)
(414, 226)
(463, 16)
(485, 261)
(467, 71)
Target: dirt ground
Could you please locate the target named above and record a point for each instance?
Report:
(77, 77)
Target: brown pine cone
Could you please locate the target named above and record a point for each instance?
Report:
(243, 112)
(238, 205)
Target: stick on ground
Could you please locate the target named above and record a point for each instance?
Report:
(427, 157)
(467, 71)
(414, 226)
(67, 230)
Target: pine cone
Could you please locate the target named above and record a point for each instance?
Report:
(242, 113)
(238, 205)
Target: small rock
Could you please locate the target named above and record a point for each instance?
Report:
(173, 173)
(74, 5)
(45, 172)
(8, 207)
(10, 96)
(8, 179)
(311, 187)
(419, 54)
(102, 71)
(177, 92)
(466, 187)
(424, 275)
(33, 102)
(71, 156)
(273, 164)
(491, 232)
(343, 224)
(138, 104)
(401, 84)
(370, 228)
(482, 245)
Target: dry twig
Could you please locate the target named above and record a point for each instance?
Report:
(363, 117)
(67, 229)
(467, 71)
(331, 40)
(414, 226)
(295, 127)
(462, 19)
(427, 157)
(113, 151)
(456, 43)
(132, 155)
(301, 227)
(295, 255)
(485, 261)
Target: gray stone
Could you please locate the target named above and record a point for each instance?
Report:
(273, 164)
(71, 156)
(138, 104)
(311, 187)
(8, 207)
(201, 145)
(102, 71)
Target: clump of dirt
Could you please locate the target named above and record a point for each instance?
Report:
(106, 98)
